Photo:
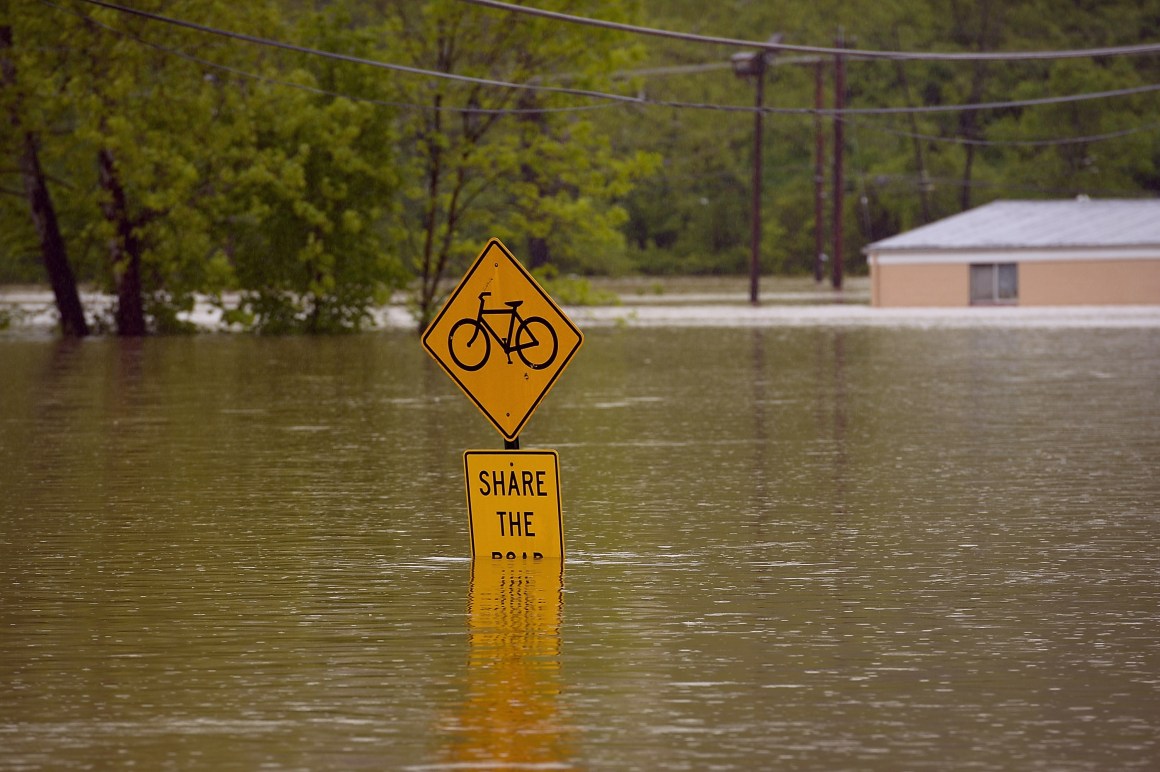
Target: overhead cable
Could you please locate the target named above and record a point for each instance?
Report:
(321, 91)
(1119, 92)
(928, 56)
(354, 59)
(1006, 142)
(587, 93)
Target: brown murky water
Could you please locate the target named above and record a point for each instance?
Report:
(807, 548)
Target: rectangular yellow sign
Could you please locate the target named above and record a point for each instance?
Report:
(513, 504)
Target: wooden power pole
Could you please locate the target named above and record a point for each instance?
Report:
(839, 183)
(819, 171)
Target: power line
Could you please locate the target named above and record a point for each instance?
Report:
(321, 91)
(1120, 92)
(1007, 142)
(587, 93)
(880, 181)
(254, 39)
(933, 56)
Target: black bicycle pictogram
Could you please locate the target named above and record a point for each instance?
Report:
(533, 339)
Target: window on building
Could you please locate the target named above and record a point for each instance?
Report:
(994, 283)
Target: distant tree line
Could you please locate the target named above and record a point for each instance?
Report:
(227, 157)
(161, 161)
(901, 169)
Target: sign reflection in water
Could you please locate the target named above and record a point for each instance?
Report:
(511, 715)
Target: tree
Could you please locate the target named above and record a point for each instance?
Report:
(485, 160)
(902, 170)
(54, 252)
(125, 126)
(201, 163)
(205, 164)
(315, 185)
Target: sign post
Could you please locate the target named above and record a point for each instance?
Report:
(504, 342)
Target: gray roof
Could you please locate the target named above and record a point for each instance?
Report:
(1037, 224)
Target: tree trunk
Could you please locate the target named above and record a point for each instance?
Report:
(430, 273)
(920, 162)
(52, 247)
(969, 130)
(539, 254)
(124, 251)
(968, 166)
(53, 251)
(969, 122)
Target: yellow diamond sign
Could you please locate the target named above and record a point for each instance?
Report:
(502, 339)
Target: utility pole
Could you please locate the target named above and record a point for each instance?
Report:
(819, 170)
(755, 234)
(745, 65)
(839, 182)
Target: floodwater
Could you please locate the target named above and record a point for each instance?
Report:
(799, 547)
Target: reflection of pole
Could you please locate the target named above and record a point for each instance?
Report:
(839, 105)
(819, 171)
(755, 235)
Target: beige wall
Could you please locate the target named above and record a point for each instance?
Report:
(919, 285)
(1041, 283)
(1089, 282)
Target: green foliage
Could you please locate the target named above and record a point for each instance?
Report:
(311, 188)
(525, 168)
(231, 179)
(693, 214)
(299, 192)
(316, 187)
(573, 290)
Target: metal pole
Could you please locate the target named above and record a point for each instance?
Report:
(511, 444)
(755, 236)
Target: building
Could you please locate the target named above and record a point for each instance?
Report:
(1027, 253)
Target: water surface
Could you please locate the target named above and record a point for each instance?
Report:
(798, 547)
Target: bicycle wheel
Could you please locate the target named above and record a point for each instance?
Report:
(536, 343)
(469, 344)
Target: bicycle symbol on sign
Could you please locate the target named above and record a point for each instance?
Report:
(532, 339)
